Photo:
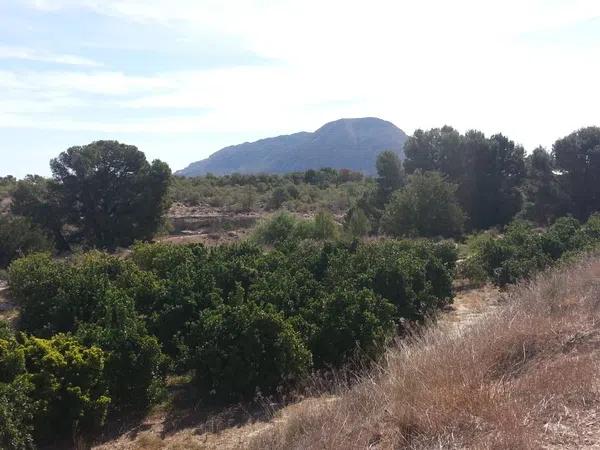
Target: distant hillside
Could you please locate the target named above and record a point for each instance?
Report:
(344, 144)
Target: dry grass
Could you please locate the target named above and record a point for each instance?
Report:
(523, 375)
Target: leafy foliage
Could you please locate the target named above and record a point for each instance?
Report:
(349, 324)
(19, 237)
(545, 200)
(58, 384)
(241, 349)
(107, 191)
(284, 228)
(577, 158)
(522, 250)
(16, 415)
(488, 171)
(427, 206)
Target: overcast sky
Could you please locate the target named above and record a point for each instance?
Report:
(182, 78)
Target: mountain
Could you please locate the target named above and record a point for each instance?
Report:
(343, 144)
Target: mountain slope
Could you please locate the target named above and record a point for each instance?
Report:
(344, 144)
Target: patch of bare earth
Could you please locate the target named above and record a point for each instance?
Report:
(207, 225)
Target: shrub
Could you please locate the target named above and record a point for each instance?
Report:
(348, 326)
(132, 355)
(426, 206)
(96, 297)
(68, 393)
(325, 226)
(415, 276)
(20, 237)
(357, 223)
(56, 296)
(518, 254)
(16, 415)
(279, 196)
(35, 283)
(241, 349)
(277, 229)
(562, 236)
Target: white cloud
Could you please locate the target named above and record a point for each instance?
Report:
(9, 52)
(419, 64)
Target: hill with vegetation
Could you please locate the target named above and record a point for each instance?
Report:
(343, 144)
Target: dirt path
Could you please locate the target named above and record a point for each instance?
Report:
(217, 433)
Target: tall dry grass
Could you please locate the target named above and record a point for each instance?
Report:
(523, 375)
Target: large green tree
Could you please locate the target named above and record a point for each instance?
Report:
(544, 198)
(488, 171)
(110, 192)
(577, 159)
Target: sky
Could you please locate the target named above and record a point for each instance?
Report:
(181, 79)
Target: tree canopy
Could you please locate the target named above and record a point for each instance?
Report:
(577, 159)
(488, 171)
(426, 206)
(107, 191)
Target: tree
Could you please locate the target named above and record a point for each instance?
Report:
(348, 324)
(38, 199)
(245, 348)
(498, 170)
(544, 198)
(427, 206)
(438, 149)
(390, 176)
(19, 237)
(111, 193)
(69, 393)
(488, 171)
(577, 159)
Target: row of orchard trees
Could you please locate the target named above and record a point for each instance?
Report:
(451, 181)
(98, 334)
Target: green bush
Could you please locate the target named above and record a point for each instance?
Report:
(357, 223)
(415, 276)
(240, 350)
(16, 415)
(96, 296)
(325, 226)
(426, 206)
(20, 237)
(244, 319)
(35, 283)
(68, 391)
(55, 296)
(347, 326)
(277, 229)
(134, 356)
(522, 250)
